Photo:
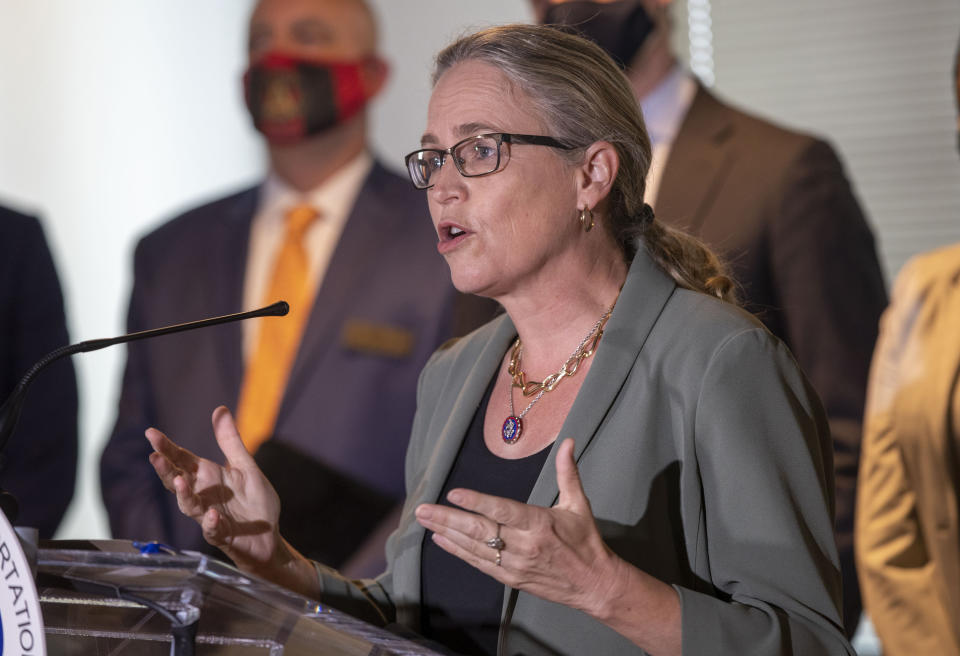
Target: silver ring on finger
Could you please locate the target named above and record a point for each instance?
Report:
(496, 542)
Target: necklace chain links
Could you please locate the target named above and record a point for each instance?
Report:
(513, 425)
(568, 368)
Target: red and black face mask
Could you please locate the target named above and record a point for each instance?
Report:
(291, 98)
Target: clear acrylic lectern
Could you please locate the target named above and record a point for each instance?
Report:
(106, 597)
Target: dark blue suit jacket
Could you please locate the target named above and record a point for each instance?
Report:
(39, 464)
(347, 406)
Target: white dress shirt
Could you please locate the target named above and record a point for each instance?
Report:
(664, 109)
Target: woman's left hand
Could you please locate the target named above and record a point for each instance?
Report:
(554, 553)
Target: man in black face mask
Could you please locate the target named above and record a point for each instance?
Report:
(777, 205)
(325, 396)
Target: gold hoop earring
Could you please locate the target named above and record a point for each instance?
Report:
(586, 219)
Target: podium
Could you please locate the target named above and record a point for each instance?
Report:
(108, 597)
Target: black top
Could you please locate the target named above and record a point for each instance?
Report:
(460, 605)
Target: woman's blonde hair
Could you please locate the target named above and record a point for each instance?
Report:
(583, 97)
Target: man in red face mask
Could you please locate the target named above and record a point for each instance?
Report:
(325, 396)
(313, 68)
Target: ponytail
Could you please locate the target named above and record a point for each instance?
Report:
(682, 256)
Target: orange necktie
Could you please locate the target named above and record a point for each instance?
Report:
(266, 376)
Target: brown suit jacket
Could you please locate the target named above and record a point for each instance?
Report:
(908, 535)
(777, 205)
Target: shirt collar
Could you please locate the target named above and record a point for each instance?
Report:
(334, 197)
(665, 107)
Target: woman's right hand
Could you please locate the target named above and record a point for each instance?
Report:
(236, 506)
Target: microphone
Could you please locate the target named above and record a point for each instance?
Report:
(10, 412)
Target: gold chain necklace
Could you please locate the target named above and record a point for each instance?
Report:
(513, 424)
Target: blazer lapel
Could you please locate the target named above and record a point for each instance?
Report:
(363, 237)
(229, 264)
(641, 301)
(941, 396)
(697, 163)
(463, 403)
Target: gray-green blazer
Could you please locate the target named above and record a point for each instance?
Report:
(706, 458)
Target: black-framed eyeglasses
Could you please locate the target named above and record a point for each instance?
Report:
(473, 156)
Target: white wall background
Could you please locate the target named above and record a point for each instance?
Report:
(412, 31)
(114, 115)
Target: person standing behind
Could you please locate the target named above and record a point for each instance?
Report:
(908, 527)
(326, 394)
(776, 205)
(39, 463)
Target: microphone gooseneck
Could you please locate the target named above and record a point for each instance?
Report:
(10, 412)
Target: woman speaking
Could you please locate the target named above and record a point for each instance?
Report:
(623, 463)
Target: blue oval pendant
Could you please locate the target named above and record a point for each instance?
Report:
(512, 428)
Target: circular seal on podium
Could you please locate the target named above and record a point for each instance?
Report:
(20, 616)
